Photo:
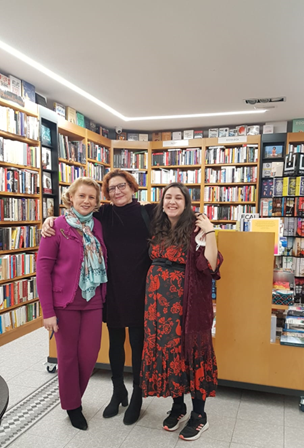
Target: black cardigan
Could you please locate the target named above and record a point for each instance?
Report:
(126, 237)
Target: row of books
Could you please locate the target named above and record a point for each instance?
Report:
(21, 291)
(19, 316)
(227, 212)
(282, 206)
(240, 154)
(246, 193)
(141, 195)
(293, 226)
(294, 265)
(14, 180)
(293, 333)
(19, 123)
(164, 176)
(47, 207)
(294, 247)
(69, 173)
(230, 174)
(189, 156)
(16, 265)
(73, 151)
(99, 153)
(23, 209)
(19, 153)
(156, 192)
(287, 186)
(124, 158)
(19, 237)
(97, 172)
(140, 177)
(272, 169)
(294, 148)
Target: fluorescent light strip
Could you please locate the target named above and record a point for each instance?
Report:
(69, 85)
(215, 114)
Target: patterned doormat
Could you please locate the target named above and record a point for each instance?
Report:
(28, 411)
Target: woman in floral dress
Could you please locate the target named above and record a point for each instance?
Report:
(178, 356)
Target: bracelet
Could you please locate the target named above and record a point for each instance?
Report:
(210, 231)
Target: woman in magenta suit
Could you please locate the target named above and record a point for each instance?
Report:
(72, 304)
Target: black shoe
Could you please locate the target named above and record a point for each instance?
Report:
(194, 427)
(176, 416)
(77, 418)
(132, 413)
(120, 396)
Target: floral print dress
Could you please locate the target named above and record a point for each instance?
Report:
(164, 371)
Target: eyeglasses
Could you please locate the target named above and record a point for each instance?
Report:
(120, 187)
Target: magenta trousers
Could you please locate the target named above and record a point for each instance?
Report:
(78, 343)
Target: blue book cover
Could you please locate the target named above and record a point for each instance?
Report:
(28, 91)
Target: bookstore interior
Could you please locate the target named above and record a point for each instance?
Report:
(247, 179)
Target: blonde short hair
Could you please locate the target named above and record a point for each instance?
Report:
(74, 187)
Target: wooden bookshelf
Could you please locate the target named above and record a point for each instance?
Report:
(211, 143)
(23, 154)
(132, 147)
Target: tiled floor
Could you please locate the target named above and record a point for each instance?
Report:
(238, 419)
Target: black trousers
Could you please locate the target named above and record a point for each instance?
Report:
(117, 338)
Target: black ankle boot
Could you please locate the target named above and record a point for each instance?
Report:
(77, 418)
(120, 395)
(133, 411)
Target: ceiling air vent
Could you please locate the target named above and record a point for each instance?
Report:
(253, 101)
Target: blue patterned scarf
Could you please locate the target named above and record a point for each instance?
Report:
(93, 270)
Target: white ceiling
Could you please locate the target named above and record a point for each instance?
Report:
(162, 57)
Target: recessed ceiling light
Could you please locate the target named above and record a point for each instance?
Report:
(68, 84)
(253, 101)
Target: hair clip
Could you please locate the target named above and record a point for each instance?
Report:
(62, 231)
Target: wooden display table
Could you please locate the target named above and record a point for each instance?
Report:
(245, 355)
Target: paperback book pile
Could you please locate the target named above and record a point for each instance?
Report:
(293, 333)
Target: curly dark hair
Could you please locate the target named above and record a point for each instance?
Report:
(161, 226)
(127, 176)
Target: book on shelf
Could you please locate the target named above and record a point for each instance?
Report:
(289, 186)
(233, 132)
(242, 130)
(121, 136)
(46, 137)
(277, 207)
(166, 136)
(288, 205)
(297, 311)
(198, 134)
(50, 206)
(133, 137)
(268, 225)
(70, 115)
(177, 135)
(278, 186)
(295, 339)
(298, 125)
(223, 132)
(16, 85)
(47, 182)
(253, 130)
(266, 207)
(28, 91)
(156, 136)
(143, 137)
(299, 186)
(267, 188)
(80, 119)
(267, 169)
(188, 135)
(213, 133)
(59, 109)
(245, 221)
(46, 158)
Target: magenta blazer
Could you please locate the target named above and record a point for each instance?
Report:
(59, 264)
